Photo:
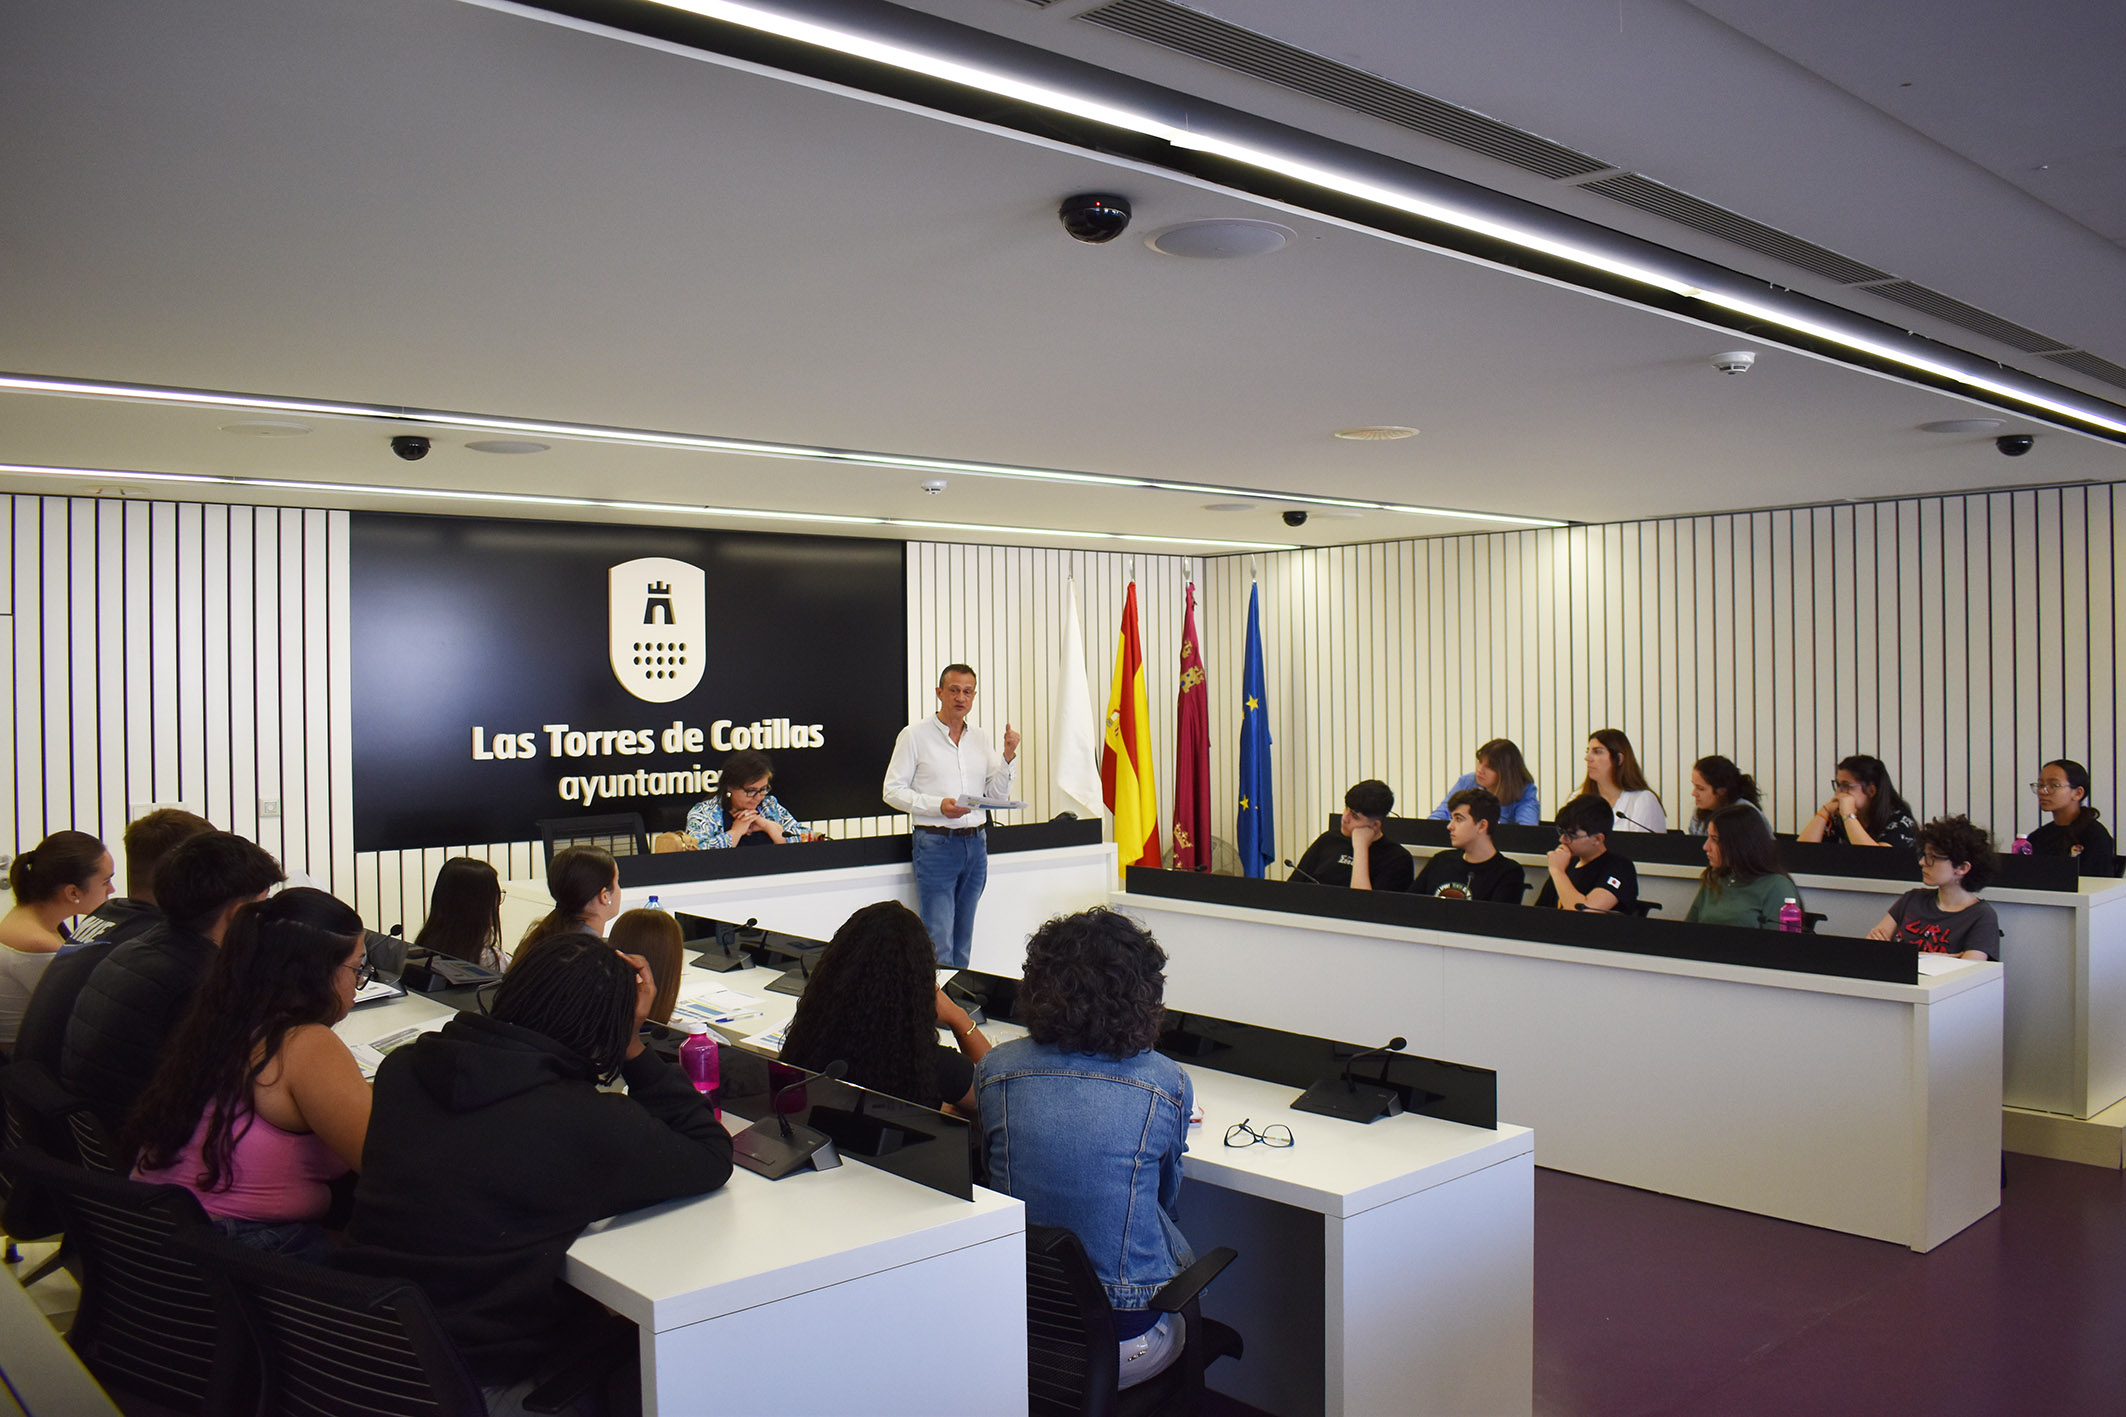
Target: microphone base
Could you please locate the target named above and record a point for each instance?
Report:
(714, 959)
(791, 981)
(765, 1151)
(1333, 1097)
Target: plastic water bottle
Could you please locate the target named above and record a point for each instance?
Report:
(2022, 846)
(1790, 916)
(654, 905)
(698, 1055)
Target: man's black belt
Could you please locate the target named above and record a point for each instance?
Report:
(949, 831)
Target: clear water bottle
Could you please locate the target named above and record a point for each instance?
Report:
(654, 905)
(1790, 916)
(698, 1055)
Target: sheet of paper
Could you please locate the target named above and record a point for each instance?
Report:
(1942, 964)
(994, 804)
(713, 1003)
(367, 1056)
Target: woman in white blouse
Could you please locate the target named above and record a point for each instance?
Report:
(1613, 771)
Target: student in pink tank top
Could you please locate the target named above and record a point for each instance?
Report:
(257, 1106)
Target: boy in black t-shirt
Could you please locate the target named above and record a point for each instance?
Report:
(1473, 869)
(1355, 853)
(1583, 870)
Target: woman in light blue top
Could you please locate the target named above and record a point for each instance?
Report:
(1500, 772)
(742, 807)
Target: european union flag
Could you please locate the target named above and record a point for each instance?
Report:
(1257, 830)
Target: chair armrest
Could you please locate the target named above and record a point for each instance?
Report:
(1181, 1291)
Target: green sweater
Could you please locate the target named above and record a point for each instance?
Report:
(1753, 904)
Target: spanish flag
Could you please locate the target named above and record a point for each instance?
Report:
(1126, 781)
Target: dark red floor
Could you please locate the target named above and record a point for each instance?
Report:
(1646, 1305)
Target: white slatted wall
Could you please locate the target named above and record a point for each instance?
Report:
(178, 652)
(1964, 640)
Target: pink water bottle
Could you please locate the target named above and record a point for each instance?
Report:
(704, 1068)
(2022, 846)
(1790, 916)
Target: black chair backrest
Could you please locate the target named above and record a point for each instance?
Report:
(621, 833)
(93, 1144)
(148, 1326)
(340, 1345)
(1071, 1355)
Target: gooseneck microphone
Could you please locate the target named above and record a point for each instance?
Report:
(833, 1072)
(775, 1151)
(1302, 872)
(1350, 1100)
(1393, 1045)
(1632, 821)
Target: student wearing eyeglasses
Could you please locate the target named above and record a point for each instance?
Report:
(1947, 917)
(2062, 788)
(1864, 808)
(744, 810)
(257, 1105)
(1584, 873)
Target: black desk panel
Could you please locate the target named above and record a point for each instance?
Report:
(666, 868)
(1838, 955)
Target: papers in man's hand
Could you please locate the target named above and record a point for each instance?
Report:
(368, 1055)
(994, 804)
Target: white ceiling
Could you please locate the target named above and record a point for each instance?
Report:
(428, 203)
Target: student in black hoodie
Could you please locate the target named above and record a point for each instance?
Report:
(491, 1147)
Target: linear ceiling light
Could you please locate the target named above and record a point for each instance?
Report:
(1057, 100)
(697, 442)
(615, 504)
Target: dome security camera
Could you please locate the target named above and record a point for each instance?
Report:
(410, 446)
(934, 486)
(1295, 517)
(1094, 217)
(1735, 361)
(2014, 445)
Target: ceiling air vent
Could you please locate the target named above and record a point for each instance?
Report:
(2095, 366)
(1651, 196)
(1969, 317)
(1190, 32)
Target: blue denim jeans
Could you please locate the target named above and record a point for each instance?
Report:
(950, 872)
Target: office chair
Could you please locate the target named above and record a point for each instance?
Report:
(148, 1328)
(1643, 908)
(621, 833)
(35, 1108)
(344, 1345)
(1071, 1358)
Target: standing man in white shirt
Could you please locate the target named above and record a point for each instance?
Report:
(937, 765)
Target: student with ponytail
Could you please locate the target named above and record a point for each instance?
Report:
(2062, 789)
(1716, 784)
(585, 884)
(257, 1106)
(65, 875)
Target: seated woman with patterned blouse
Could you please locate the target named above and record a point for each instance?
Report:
(742, 808)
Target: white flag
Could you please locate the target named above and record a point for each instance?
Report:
(1076, 733)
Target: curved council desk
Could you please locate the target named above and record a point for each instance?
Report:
(2063, 947)
(1856, 1104)
(808, 889)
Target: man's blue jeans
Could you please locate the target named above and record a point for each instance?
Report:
(950, 872)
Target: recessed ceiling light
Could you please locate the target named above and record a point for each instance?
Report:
(1220, 239)
(266, 428)
(1963, 425)
(1335, 514)
(1230, 506)
(507, 445)
(1376, 433)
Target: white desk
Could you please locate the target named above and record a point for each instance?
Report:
(1419, 1236)
(1857, 1106)
(1025, 888)
(2064, 1030)
(867, 1267)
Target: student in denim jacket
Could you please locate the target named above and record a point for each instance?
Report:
(1086, 1124)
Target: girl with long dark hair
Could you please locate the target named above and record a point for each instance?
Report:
(874, 1003)
(257, 1105)
(1864, 808)
(464, 913)
(1613, 774)
(1742, 884)
(1501, 771)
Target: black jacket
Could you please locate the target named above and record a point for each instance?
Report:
(490, 1148)
(42, 1036)
(126, 1012)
